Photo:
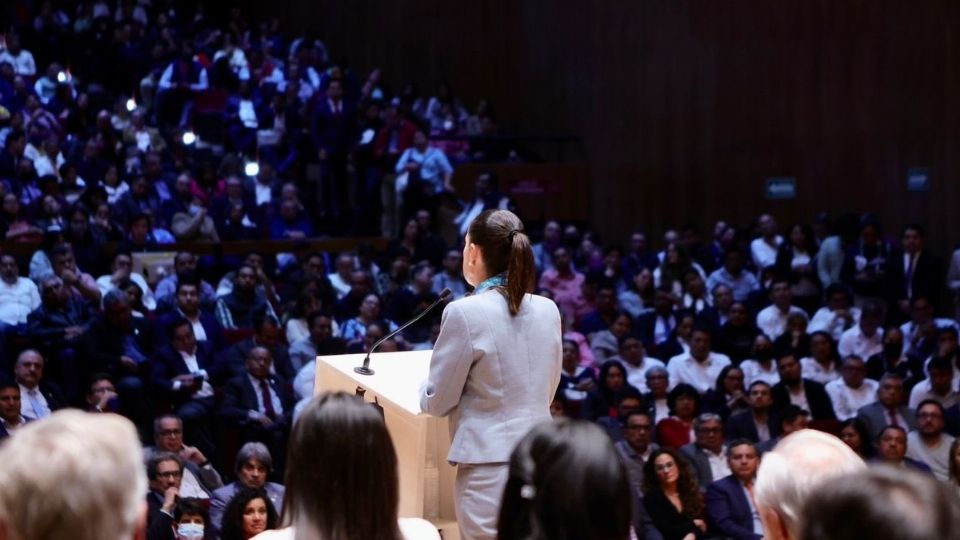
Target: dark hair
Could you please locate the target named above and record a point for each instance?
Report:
(159, 457)
(95, 378)
(933, 402)
(627, 392)
(190, 506)
(340, 445)
(742, 442)
(602, 380)
(680, 390)
(176, 323)
(566, 483)
(686, 483)
(505, 248)
(887, 504)
(231, 527)
(187, 278)
(719, 386)
(790, 413)
(940, 363)
(867, 450)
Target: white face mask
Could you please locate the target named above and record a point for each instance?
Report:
(190, 531)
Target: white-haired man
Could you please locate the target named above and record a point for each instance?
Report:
(31, 495)
(791, 471)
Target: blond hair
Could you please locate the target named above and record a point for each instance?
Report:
(72, 476)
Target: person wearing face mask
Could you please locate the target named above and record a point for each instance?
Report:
(761, 367)
(190, 518)
(194, 223)
(894, 358)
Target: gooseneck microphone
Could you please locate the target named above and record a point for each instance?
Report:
(365, 368)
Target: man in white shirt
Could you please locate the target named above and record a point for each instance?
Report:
(634, 360)
(38, 398)
(764, 249)
(341, 278)
(772, 320)
(700, 367)
(122, 268)
(866, 338)
(21, 59)
(853, 391)
(938, 385)
(18, 296)
(838, 315)
(928, 444)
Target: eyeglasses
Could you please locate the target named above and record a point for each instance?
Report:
(169, 474)
(664, 467)
(170, 432)
(710, 430)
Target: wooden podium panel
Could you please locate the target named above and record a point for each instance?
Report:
(421, 441)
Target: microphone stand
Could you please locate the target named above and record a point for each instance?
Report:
(365, 368)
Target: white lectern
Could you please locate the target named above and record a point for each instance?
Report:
(421, 441)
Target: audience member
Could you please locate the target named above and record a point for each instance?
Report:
(341, 444)
(731, 509)
(238, 308)
(794, 389)
(38, 397)
(889, 504)
(854, 433)
(254, 463)
(248, 514)
(671, 497)
(164, 471)
(199, 479)
(823, 364)
(853, 390)
(929, 444)
(701, 366)
(260, 405)
(791, 473)
(772, 320)
(18, 296)
(52, 468)
(838, 315)
(758, 424)
(888, 409)
(761, 365)
(866, 338)
(706, 452)
(939, 384)
(892, 450)
(677, 430)
(728, 396)
(11, 419)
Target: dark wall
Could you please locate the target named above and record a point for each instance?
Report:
(686, 107)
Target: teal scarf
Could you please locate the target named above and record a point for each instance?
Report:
(499, 280)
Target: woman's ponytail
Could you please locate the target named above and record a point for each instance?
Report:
(506, 250)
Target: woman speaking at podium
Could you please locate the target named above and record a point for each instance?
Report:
(495, 366)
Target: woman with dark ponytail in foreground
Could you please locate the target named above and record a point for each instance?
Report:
(495, 366)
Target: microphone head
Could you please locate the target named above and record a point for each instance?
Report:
(445, 293)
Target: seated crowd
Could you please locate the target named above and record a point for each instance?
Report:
(696, 359)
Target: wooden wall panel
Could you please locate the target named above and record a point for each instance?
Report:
(687, 106)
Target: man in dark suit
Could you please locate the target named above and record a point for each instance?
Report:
(794, 389)
(757, 424)
(187, 306)
(656, 326)
(164, 471)
(706, 452)
(912, 271)
(268, 333)
(119, 344)
(260, 405)
(888, 410)
(183, 373)
(38, 397)
(10, 417)
(731, 512)
(331, 130)
(57, 328)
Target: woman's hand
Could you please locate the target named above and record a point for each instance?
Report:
(700, 524)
